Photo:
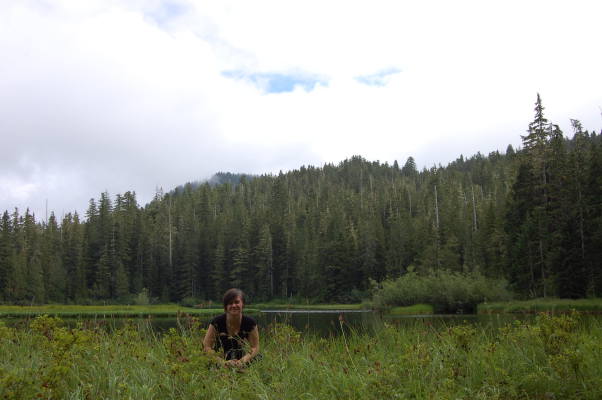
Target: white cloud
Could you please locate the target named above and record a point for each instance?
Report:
(130, 95)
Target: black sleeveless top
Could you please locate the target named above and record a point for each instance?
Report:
(233, 346)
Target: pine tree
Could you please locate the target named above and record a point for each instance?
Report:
(120, 286)
(73, 258)
(105, 218)
(6, 256)
(593, 214)
(34, 290)
(92, 243)
(102, 282)
(16, 275)
(537, 148)
(519, 230)
(31, 253)
(409, 168)
(566, 263)
(264, 256)
(536, 140)
(219, 274)
(55, 276)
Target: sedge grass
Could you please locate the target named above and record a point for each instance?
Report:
(554, 357)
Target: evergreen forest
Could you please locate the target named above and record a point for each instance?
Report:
(531, 216)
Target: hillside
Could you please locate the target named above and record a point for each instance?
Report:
(531, 216)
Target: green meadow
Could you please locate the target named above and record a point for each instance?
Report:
(552, 357)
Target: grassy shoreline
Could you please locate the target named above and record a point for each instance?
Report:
(542, 305)
(172, 310)
(109, 311)
(416, 309)
(162, 310)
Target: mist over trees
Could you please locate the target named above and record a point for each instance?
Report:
(532, 216)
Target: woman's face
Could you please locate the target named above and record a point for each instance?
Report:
(235, 306)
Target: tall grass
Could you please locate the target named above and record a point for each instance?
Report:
(553, 358)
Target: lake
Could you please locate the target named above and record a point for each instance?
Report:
(322, 323)
(329, 323)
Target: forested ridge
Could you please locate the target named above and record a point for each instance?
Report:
(532, 216)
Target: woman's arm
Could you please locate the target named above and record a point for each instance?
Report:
(254, 342)
(209, 340)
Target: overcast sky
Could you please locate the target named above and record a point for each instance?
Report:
(135, 94)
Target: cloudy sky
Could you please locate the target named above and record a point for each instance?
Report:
(121, 95)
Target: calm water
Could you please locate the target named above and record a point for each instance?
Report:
(321, 323)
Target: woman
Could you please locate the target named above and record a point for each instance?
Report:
(232, 331)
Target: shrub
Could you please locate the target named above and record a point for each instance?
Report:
(446, 291)
(142, 298)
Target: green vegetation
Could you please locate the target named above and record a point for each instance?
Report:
(542, 305)
(163, 310)
(74, 311)
(446, 291)
(411, 310)
(553, 358)
(532, 217)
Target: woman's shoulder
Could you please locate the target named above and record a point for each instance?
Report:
(220, 319)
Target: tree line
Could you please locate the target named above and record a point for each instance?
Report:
(532, 216)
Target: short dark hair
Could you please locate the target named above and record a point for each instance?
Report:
(231, 294)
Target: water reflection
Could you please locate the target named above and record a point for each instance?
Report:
(320, 323)
(333, 322)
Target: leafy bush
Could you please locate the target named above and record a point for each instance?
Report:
(446, 291)
(142, 299)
